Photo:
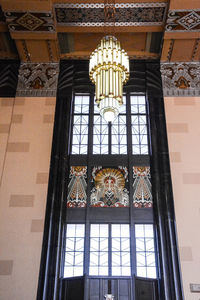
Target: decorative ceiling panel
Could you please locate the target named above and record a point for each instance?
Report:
(183, 20)
(30, 21)
(126, 14)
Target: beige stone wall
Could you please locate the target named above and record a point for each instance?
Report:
(26, 126)
(183, 125)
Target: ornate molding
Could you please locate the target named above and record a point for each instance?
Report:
(30, 21)
(183, 20)
(127, 14)
(37, 79)
(181, 79)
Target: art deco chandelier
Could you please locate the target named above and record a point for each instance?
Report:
(109, 70)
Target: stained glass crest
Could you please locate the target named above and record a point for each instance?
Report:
(109, 187)
(142, 195)
(77, 187)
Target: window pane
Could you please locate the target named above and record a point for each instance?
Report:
(98, 249)
(74, 251)
(145, 251)
(139, 125)
(80, 125)
(120, 238)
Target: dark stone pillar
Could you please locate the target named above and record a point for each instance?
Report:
(170, 282)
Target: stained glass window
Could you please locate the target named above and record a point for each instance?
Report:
(145, 251)
(77, 196)
(142, 194)
(109, 187)
(80, 125)
(74, 250)
(139, 125)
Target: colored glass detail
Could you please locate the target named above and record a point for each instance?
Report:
(109, 187)
(142, 195)
(77, 196)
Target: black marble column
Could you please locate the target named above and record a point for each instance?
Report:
(170, 281)
(48, 286)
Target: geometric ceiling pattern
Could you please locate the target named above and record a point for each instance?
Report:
(71, 29)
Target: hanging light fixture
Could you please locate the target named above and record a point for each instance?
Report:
(109, 70)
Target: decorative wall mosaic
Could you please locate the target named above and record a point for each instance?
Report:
(37, 79)
(30, 21)
(77, 187)
(183, 20)
(109, 187)
(142, 195)
(129, 14)
(181, 79)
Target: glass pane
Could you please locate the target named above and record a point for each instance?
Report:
(148, 230)
(125, 259)
(68, 272)
(94, 244)
(149, 244)
(140, 244)
(94, 230)
(71, 230)
(141, 271)
(103, 271)
(116, 261)
(79, 244)
(115, 230)
(94, 258)
(78, 271)
(103, 259)
(80, 230)
(78, 258)
(139, 230)
(93, 271)
(116, 244)
(125, 230)
(125, 244)
(104, 244)
(140, 257)
(70, 244)
(116, 271)
(126, 271)
(103, 230)
(69, 258)
(151, 272)
(150, 259)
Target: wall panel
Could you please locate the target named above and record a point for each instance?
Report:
(182, 115)
(24, 168)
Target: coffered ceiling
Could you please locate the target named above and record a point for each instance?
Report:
(47, 30)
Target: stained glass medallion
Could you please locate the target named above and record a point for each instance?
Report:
(142, 195)
(77, 187)
(109, 187)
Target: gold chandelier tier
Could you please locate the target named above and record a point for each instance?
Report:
(109, 70)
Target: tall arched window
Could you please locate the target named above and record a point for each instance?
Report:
(109, 218)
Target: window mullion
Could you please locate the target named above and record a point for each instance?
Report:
(110, 251)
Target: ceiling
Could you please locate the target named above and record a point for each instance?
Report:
(48, 30)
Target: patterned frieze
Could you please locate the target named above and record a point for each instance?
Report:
(30, 21)
(126, 14)
(183, 20)
(37, 79)
(181, 79)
